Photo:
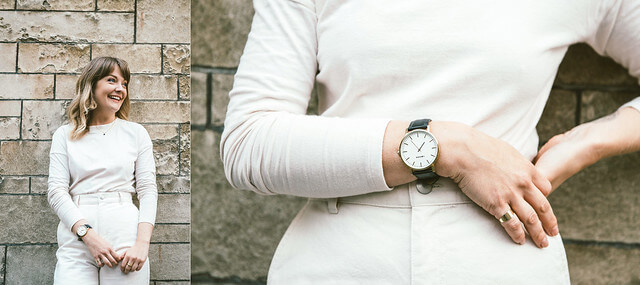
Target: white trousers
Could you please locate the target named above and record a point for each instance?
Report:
(404, 237)
(115, 218)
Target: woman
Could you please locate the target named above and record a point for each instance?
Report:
(468, 81)
(95, 161)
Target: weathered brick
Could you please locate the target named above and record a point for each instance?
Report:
(185, 149)
(173, 208)
(27, 219)
(219, 41)
(7, 4)
(26, 86)
(141, 58)
(66, 26)
(222, 84)
(184, 87)
(601, 264)
(169, 261)
(10, 108)
(164, 87)
(162, 132)
(40, 119)
(583, 66)
(596, 104)
(9, 128)
(163, 21)
(166, 156)
(601, 202)
(78, 5)
(559, 114)
(31, 264)
(247, 255)
(173, 184)
(199, 98)
(14, 184)
(170, 233)
(177, 59)
(39, 184)
(35, 57)
(66, 85)
(116, 5)
(8, 58)
(160, 112)
(24, 157)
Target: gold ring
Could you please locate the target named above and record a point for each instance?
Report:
(507, 216)
(129, 264)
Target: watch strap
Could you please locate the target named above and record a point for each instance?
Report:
(419, 124)
(425, 174)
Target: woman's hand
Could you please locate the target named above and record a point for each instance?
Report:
(496, 177)
(101, 250)
(564, 155)
(135, 257)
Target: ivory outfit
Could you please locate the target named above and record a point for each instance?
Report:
(93, 178)
(488, 64)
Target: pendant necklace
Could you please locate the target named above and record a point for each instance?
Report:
(112, 124)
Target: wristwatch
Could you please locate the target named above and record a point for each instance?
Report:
(419, 150)
(82, 231)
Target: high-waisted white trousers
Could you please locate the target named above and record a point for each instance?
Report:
(404, 237)
(115, 218)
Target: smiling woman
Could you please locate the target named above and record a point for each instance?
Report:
(96, 163)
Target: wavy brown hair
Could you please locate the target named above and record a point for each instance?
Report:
(83, 103)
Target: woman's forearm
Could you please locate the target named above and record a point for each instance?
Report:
(144, 232)
(615, 134)
(566, 154)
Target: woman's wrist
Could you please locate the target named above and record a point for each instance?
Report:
(452, 143)
(143, 241)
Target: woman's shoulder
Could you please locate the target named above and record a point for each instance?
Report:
(64, 130)
(133, 127)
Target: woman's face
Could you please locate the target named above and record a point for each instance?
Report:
(110, 92)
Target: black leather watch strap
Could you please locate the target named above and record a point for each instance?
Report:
(419, 124)
(425, 174)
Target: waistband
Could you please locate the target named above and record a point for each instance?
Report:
(444, 192)
(102, 198)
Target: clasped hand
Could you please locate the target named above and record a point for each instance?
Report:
(131, 260)
(497, 177)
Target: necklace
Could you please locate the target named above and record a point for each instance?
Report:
(112, 124)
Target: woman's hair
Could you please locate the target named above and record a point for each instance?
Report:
(83, 103)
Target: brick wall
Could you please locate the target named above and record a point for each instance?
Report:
(43, 47)
(234, 241)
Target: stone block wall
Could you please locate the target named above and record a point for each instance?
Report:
(234, 240)
(43, 47)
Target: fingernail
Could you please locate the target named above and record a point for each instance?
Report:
(545, 242)
(555, 231)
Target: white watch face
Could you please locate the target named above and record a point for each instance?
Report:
(418, 149)
(82, 230)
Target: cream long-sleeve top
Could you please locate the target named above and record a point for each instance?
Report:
(108, 158)
(487, 64)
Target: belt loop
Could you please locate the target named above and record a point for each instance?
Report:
(332, 205)
(120, 197)
(76, 199)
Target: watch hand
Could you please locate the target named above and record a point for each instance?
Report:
(421, 146)
(414, 144)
